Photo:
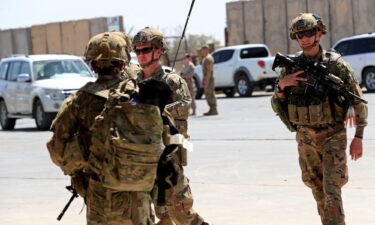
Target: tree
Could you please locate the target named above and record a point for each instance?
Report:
(191, 45)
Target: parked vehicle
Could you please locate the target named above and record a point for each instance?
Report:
(36, 85)
(240, 68)
(359, 52)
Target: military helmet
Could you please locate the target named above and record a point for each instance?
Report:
(105, 48)
(152, 36)
(306, 21)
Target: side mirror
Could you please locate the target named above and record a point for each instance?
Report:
(23, 78)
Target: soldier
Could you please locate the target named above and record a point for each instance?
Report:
(318, 117)
(188, 74)
(109, 55)
(208, 80)
(149, 45)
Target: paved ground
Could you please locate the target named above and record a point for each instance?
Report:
(243, 170)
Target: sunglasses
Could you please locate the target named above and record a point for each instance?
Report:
(143, 50)
(306, 33)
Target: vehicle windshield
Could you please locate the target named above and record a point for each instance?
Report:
(53, 69)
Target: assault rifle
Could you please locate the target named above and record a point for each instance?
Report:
(74, 195)
(317, 74)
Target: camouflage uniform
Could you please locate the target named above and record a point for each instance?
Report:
(188, 74)
(209, 91)
(179, 198)
(76, 117)
(321, 134)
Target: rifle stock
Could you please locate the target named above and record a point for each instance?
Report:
(74, 195)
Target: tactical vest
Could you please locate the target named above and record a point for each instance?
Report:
(316, 107)
(126, 142)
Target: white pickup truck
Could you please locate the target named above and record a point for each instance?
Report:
(241, 68)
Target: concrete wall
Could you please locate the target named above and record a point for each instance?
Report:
(235, 23)
(39, 39)
(21, 43)
(341, 19)
(254, 30)
(268, 21)
(6, 43)
(97, 26)
(68, 37)
(53, 35)
(275, 23)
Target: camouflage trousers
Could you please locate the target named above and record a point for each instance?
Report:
(209, 92)
(179, 202)
(108, 207)
(322, 159)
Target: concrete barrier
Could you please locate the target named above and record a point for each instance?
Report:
(39, 39)
(97, 26)
(6, 48)
(276, 26)
(54, 43)
(341, 20)
(267, 21)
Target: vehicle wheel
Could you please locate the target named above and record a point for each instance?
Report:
(244, 86)
(229, 92)
(369, 79)
(43, 120)
(198, 89)
(6, 122)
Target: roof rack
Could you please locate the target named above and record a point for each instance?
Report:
(18, 55)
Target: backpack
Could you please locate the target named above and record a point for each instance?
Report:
(126, 140)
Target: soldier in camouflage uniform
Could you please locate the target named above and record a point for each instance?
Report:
(109, 55)
(319, 119)
(149, 45)
(208, 80)
(187, 73)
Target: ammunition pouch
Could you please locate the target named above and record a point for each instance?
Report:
(310, 111)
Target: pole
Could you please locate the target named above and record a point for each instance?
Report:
(183, 33)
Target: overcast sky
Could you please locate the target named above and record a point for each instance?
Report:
(208, 16)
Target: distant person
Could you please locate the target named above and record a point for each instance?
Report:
(188, 74)
(318, 115)
(208, 80)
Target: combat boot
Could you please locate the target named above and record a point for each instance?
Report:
(211, 112)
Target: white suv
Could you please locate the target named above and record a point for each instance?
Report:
(359, 52)
(36, 85)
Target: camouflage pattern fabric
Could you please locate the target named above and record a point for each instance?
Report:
(108, 207)
(209, 91)
(304, 22)
(179, 199)
(321, 146)
(322, 159)
(104, 205)
(188, 74)
(180, 101)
